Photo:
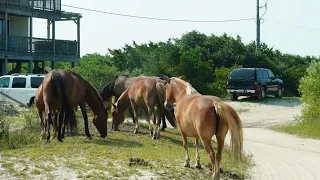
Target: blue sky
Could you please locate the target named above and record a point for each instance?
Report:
(101, 31)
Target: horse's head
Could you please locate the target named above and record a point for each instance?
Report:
(117, 117)
(100, 121)
(169, 93)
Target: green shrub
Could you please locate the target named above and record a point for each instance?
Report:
(221, 77)
(309, 87)
(15, 138)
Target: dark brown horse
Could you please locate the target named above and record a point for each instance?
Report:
(118, 85)
(202, 117)
(62, 90)
(146, 93)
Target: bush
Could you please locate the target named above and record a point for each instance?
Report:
(221, 77)
(309, 87)
(27, 134)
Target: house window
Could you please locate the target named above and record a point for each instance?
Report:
(2, 26)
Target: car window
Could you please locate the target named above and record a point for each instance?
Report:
(19, 82)
(4, 82)
(242, 74)
(265, 74)
(259, 74)
(36, 82)
(270, 74)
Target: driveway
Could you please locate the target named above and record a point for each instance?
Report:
(277, 156)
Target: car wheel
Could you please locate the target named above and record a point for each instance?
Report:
(279, 92)
(233, 97)
(262, 94)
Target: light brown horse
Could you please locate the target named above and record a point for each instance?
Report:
(202, 117)
(144, 92)
(62, 90)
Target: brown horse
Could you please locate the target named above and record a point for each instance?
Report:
(118, 85)
(202, 117)
(146, 93)
(62, 90)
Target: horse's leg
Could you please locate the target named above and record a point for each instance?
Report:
(148, 120)
(155, 127)
(185, 145)
(54, 124)
(221, 134)
(135, 119)
(48, 126)
(160, 115)
(85, 118)
(196, 142)
(164, 124)
(131, 112)
(42, 128)
(61, 117)
(208, 148)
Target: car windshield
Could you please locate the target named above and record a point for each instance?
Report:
(242, 74)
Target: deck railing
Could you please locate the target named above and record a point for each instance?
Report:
(46, 5)
(39, 46)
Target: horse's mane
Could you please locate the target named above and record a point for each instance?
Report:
(189, 89)
(91, 88)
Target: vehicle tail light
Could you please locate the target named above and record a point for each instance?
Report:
(227, 84)
(255, 85)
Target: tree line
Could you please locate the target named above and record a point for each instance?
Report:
(203, 60)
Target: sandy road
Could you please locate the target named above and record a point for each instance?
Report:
(276, 155)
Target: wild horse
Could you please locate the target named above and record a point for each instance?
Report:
(202, 117)
(146, 93)
(62, 90)
(118, 85)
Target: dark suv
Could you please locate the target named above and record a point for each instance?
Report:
(253, 82)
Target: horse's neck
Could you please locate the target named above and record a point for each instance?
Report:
(94, 102)
(183, 90)
(123, 102)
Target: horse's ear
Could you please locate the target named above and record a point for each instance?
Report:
(180, 77)
(166, 78)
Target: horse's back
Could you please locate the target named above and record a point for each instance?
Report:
(143, 90)
(196, 115)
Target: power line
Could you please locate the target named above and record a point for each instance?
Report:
(296, 26)
(160, 19)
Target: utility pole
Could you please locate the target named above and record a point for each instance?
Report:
(258, 27)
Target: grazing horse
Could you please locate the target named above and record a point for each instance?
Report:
(118, 85)
(62, 90)
(146, 93)
(202, 117)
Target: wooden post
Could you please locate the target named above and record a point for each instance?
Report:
(30, 66)
(30, 39)
(78, 35)
(36, 67)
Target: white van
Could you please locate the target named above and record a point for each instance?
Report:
(20, 88)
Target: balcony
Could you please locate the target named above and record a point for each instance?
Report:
(36, 8)
(39, 49)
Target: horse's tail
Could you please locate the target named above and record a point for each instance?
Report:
(161, 95)
(230, 116)
(59, 89)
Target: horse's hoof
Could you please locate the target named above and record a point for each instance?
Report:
(198, 166)
(135, 132)
(186, 165)
(47, 142)
(154, 138)
(89, 137)
(151, 133)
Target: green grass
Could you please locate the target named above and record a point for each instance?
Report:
(305, 129)
(109, 158)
